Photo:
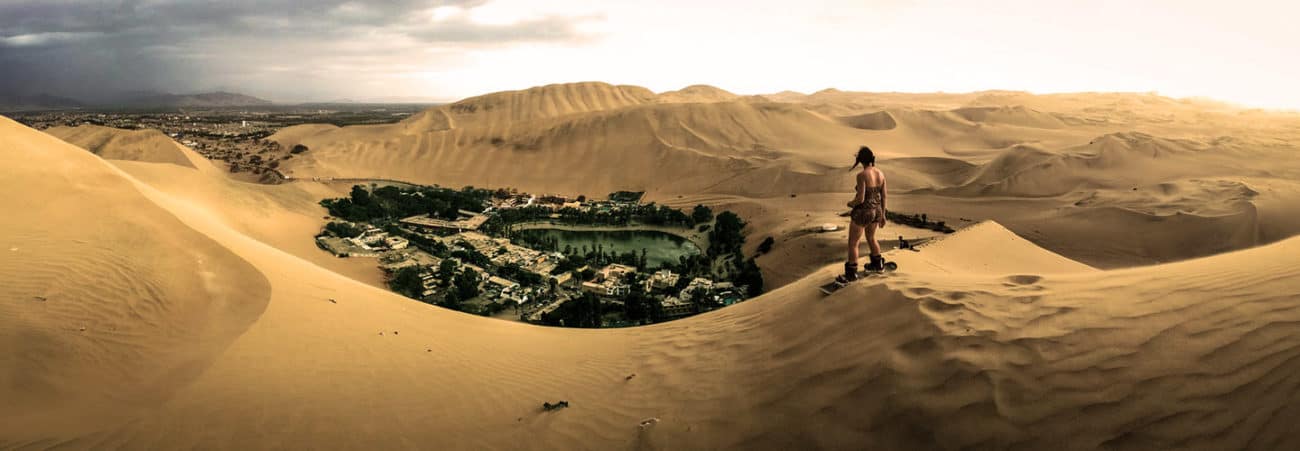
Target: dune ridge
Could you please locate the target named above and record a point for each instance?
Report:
(116, 144)
(697, 94)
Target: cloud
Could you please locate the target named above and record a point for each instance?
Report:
(85, 47)
(42, 39)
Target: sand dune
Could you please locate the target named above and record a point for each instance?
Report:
(98, 321)
(696, 94)
(285, 216)
(880, 120)
(134, 145)
(152, 302)
(533, 103)
(614, 148)
(1120, 160)
(981, 340)
(1047, 151)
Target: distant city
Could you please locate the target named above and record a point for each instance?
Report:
(233, 135)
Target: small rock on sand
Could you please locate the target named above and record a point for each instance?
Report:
(648, 423)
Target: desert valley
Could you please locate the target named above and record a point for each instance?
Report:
(1123, 275)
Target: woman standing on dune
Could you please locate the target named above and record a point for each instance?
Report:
(868, 214)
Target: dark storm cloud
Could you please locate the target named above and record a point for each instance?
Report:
(89, 47)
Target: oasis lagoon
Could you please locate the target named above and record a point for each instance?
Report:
(660, 247)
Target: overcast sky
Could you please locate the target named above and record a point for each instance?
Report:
(1243, 51)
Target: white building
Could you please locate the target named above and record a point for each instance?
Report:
(662, 279)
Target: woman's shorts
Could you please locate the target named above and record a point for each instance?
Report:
(865, 215)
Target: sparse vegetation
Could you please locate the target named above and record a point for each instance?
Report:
(390, 202)
(920, 221)
(407, 282)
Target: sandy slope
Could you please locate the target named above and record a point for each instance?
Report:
(116, 144)
(982, 340)
(109, 302)
(285, 216)
(1054, 166)
(696, 94)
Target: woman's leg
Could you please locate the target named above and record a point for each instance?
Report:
(871, 239)
(855, 239)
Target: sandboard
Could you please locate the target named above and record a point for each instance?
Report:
(834, 286)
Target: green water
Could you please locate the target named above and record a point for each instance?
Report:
(660, 247)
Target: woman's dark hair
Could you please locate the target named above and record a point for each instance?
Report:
(865, 158)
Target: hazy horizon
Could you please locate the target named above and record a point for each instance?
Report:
(441, 51)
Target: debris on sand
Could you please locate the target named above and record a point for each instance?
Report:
(647, 423)
(332, 301)
(394, 332)
(559, 405)
(39, 298)
(629, 377)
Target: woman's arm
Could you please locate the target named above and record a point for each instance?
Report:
(884, 191)
(861, 195)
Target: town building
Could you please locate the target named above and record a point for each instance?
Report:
(396, 242)
(697, 284)
(468, 221)
(608, 287)
(675, 307)
(661, 279)
(616, 271)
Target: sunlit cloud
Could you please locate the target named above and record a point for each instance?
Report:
(298, 50)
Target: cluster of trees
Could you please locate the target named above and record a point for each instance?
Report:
(651, 213)
(473, 257)
(577, 257)
(516, 273)
(406, 281)
(536, 241)
(638, 305)
(584, 311)
(458, 286)
(626, 196)
(661, 215)
(421, 241)
(463, 287)
(701, 214)
(342, 229)
(750, 276)
(391, 202)
(727, 236)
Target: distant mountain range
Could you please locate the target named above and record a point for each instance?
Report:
(18, 102)
(134, 99)
(210, 99)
